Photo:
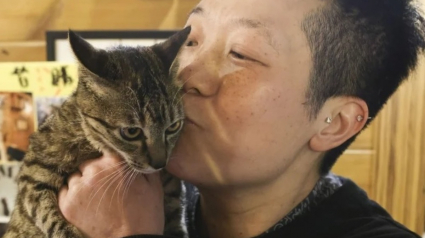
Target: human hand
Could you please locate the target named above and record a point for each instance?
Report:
(107, 200)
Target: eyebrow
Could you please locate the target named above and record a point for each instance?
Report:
(249, 23)
(243, 22)
(256, 24)
(197, 10)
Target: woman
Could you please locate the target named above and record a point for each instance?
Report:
(275, 92)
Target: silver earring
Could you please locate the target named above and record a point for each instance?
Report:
(328, 120)
(360, 118)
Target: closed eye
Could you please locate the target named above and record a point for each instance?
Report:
(245, 59)
(239, 56)
(191, 43)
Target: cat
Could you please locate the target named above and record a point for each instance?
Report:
(126, 102)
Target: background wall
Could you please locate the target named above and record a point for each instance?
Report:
(23, 23)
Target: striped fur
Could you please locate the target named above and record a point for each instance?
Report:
(119, 88)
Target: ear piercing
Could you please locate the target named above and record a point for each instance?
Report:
(328, 120)
(359, 119)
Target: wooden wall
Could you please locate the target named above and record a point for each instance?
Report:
(370, 161)
(399, 165)
(23, 23)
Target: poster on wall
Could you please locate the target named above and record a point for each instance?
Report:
(28, 93)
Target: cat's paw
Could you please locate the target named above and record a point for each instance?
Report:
(69, 231)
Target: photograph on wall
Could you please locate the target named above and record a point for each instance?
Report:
(45, 106)
(16, 124)
(8, 187)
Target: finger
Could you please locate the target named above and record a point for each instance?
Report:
(112, 159)
(65, 204)
(74, 180)
(153, 178)
(62, 198)
(101, 164)
(88, 167)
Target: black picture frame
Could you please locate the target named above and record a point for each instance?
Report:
(53, 36)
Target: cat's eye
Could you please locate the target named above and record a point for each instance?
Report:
(175, 127)
(131, 133)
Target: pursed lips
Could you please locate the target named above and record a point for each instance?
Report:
(189, 121)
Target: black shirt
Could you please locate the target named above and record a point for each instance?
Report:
(347, 213)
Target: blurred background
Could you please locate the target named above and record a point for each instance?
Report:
(387, 160)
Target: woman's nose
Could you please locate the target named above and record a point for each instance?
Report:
(200, 75)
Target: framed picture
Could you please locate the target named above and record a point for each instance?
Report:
(58, 48)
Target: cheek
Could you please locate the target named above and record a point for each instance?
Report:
(262, 116)
(251, 100)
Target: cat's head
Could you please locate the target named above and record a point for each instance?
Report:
(129, 100)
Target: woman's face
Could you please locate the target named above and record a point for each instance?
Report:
(246, 69)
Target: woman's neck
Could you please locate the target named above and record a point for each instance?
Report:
(247, 212)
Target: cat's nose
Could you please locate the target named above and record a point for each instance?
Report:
(159, 164)
(157, 152)
(157, 155)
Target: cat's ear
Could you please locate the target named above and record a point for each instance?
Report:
(94, 60)
(168, 50)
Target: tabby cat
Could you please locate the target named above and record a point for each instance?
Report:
(126, 102)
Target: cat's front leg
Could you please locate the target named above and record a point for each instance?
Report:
(173, 206)
(41, 204)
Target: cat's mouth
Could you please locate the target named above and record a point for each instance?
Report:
(143, 169)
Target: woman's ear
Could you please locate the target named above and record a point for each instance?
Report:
(340, 119)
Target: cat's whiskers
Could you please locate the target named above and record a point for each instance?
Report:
(147, 104)
(119, 185)
(124, 182)
(180, 99)
(114, 175)
(125, 170)
(86, 184)
(117, 188)
(178, 91)
(110, 167)
(134, 110)
(107, 178)
(128, 183)
(135, 97)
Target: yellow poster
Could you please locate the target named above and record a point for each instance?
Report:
(28, 92)
(40, 79)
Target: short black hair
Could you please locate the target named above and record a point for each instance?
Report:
(363, 49)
